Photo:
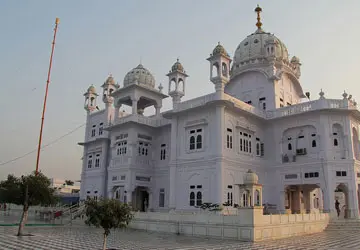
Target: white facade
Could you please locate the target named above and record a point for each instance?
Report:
(257, 118)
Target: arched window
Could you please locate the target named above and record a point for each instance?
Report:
(192, 199)
(313, 144)
(215, 70)
(198, 198)
(192, 142)
(336, 142)
(224, 69)
(245, 199)
(257, 148)
(289, 146)
(198, 141)
(257, 197)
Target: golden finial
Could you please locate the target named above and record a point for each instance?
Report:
(258, 10)
(57, 20)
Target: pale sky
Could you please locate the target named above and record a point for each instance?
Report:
(96, 38)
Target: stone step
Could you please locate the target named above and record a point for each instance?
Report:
(344, 225)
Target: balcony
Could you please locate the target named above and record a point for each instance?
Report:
(197, 102)
(151, 121)
(320, 104)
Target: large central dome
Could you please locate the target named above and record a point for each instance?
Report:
(259, 47)
(253, 47)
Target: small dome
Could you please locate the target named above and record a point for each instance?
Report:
(139, 75)
(177, 67)
(110, 80)
(219, 50)
(250, 177)
(295, 59)
(91, 90)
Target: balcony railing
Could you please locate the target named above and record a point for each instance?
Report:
(149, 121)
(197, 102)
(310, 106)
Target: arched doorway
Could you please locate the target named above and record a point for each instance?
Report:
(342, 196)
(140, 201)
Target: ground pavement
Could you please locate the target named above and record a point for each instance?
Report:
(82, 237)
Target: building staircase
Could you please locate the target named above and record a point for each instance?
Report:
(344, 225)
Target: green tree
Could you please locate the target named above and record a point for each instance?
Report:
(108, 214)
(30, 190)
(69, 182)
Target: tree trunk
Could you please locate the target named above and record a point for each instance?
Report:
(23, 221)
(25, 213)
(104, 243)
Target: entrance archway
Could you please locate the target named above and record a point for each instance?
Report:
(303, 198)
(140, 199)
(342, 196)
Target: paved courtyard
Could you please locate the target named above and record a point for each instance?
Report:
(81, 238)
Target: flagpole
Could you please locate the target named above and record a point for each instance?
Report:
(57, 20)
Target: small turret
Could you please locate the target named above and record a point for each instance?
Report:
(109, 87)
(219, 67)
(177, 77)
(90, 99)
(296, 66)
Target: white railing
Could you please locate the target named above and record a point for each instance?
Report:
(244, 106)
(310, 106)
(320, 104)
(149, 121)
(197, 102)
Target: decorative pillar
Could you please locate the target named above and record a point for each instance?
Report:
(117, 112)
(150, 201)
(157, 110)
(281, 203)
(134, 105)
(307, 200)
(173, 163)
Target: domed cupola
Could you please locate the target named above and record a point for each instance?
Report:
(295, 60)
(250, 177)
(139, 75)
(219, 50)
(177, 67)
(110, 80)
(259, 47)
(91, 90)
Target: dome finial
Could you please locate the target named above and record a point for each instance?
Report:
(258, 10)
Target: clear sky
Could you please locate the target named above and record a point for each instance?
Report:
(96, 38)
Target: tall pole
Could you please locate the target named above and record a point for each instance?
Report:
(45, 98)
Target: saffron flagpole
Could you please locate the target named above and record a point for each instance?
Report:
(57, 21)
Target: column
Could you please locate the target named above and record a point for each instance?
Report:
(307, 199)
(134, 105)
(173, 161)
(353, 209)
(150, 201)
(281, 202)
(117, 113)
(329, 200)
(296, 202)
(219, 89)
(157, 110)
(325, 139)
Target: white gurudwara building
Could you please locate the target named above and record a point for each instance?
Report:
(305, 151)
